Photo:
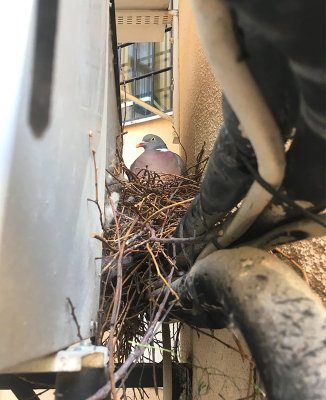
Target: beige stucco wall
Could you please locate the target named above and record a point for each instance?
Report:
(200, 95)
(218, 371)
(311, 256)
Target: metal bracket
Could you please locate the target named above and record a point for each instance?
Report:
(73, 359)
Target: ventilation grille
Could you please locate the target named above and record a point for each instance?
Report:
(143, 18)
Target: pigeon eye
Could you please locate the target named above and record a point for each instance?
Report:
(153, 138)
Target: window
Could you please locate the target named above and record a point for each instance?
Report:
(147, 71)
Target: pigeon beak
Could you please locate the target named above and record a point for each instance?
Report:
(141, 144)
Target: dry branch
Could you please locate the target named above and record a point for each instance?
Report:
(73, 314)
(305, 276)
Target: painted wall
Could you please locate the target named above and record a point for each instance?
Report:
(8, 395)
(219, 372)
(200, 95)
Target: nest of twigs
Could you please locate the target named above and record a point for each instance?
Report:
(136, 260)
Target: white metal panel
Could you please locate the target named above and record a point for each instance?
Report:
(142, 25)
(46, 252)
(14, 51)
(142, 5)
(142, 21)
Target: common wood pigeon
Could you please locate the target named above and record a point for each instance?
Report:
(157, 157)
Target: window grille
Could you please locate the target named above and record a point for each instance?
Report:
(147, 73)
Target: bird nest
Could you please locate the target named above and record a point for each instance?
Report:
(135, 257)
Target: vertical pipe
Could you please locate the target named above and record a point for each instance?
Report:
(153, 69)
(176, 98)
(135, 47)
(167, 363)
(171, 74)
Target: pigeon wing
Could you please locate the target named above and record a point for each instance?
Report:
(181, 164)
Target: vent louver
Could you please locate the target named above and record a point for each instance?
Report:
(142, 25)
(143, 18)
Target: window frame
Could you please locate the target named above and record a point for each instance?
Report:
(144, 76)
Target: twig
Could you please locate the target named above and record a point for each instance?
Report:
(96, 179)
(100, 211)
(134, 355)
(108, 265)
(168, 258)
(159, 272)
(98, 237)
(95, 167)
(167, 207)
(183, 148)
(248, 397)
(106, 318)
(194, 239)
(134, 270)
(249, 381)
(117, 300)
(237, 341)
(136, 236)
(73, 314)
(294, 263)
(103, 240)
(116, 305)
(36, 396)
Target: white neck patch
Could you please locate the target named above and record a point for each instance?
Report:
(163, 149)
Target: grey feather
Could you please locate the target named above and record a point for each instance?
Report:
(157, 157)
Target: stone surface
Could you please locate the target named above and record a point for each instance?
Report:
(311, 256)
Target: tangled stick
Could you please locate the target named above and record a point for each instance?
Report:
(73, 314)
(135, 354)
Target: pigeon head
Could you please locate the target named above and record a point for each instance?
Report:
(152, 142)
